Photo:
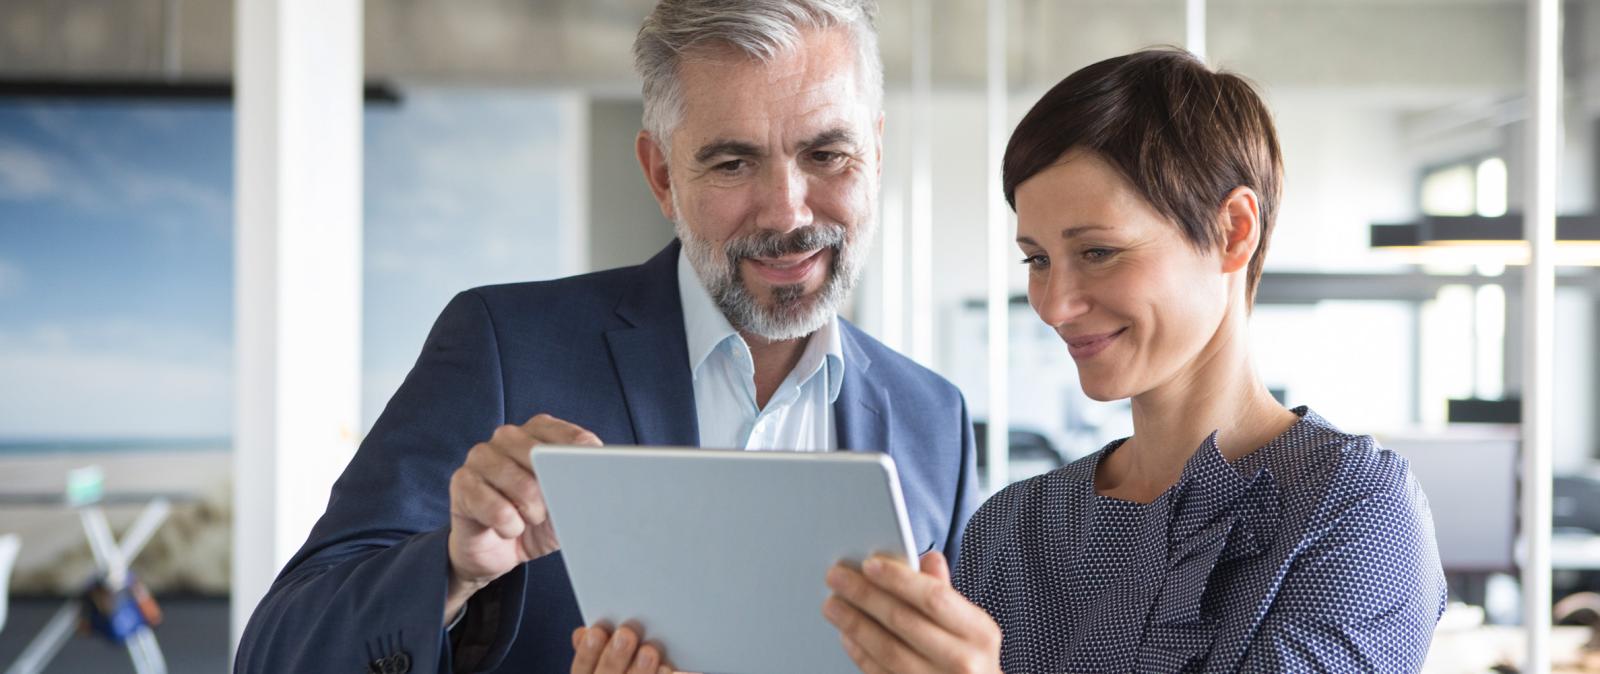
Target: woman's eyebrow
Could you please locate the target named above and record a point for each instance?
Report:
(1072, 232)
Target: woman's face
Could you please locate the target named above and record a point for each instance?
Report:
(1131, 297)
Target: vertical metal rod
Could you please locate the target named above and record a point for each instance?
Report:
(998, 442)
(920, 233)
(172, 40)
(892, 268)
(1544, 70)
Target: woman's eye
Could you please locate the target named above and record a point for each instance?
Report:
(1036, 262)
(1097, 254)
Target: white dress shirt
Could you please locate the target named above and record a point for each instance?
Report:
(799, 416)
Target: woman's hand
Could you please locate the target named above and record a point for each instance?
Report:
(597, 650)
(896, 620)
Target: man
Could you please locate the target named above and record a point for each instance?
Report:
(762, 142)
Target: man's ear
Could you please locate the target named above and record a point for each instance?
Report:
(877, 146)
(654, 164)
(1240, 218)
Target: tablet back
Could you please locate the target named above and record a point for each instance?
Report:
(720, 555)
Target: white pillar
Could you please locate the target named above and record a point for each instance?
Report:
(1538, 388)
(1000, 251)
(297, 294)
(1194, 27)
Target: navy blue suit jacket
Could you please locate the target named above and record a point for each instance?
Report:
(605, 351)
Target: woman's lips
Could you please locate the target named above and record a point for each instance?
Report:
(1086, 346)
(789, 269)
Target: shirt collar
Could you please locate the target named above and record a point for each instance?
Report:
(706, 328)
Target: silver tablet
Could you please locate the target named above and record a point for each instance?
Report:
(718, 555)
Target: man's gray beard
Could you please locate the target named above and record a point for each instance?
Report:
(793, 314)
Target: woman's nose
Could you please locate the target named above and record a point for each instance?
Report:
(1059, 299)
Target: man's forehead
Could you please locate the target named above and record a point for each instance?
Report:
(808, 88)
(745, 113)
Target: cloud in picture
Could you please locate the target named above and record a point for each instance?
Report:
(116, 248)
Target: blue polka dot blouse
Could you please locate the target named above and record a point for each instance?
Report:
(1313, 553)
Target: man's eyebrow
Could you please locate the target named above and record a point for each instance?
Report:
(726, 148)
(834, 136)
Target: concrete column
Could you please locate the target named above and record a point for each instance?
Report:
(297, 173)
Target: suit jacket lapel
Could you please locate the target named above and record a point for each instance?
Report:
(862, 410)
(652, 356)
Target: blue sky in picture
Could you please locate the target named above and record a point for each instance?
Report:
(116, 249)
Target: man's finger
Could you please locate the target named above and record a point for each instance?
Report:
(589, 642)
(512, 479)
(477, 500)
(618, 653)
(549, 430)
(512, 442)
(647, 660)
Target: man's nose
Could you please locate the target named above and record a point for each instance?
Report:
(783, 199)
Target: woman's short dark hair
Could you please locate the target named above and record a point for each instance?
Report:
(1183, 135)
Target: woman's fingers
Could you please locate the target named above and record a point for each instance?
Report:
(934, 564)
(932, 598)
(860, 657)
(920, 611)
(880, 646)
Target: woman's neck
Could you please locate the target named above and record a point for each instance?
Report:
(1220, 392)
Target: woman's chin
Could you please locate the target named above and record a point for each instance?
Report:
(1103, 392)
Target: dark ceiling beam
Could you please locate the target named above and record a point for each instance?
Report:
(195, 90)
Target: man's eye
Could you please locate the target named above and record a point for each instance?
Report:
(731, 166)
(826, 156)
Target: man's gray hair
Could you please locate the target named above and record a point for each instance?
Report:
(762, 29)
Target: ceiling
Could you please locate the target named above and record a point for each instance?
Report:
(1450, 44)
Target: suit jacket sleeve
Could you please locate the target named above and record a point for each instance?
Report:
(968, 493)
(369, 583)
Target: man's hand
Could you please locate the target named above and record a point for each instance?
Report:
(497, 513)
(893, 619)
(597, 650)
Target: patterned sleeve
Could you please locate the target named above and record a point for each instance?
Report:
(982, 549)
(1365, 596)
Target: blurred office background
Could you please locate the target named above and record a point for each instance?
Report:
(496, 145)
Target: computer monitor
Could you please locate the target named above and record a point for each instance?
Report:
(1471, 485)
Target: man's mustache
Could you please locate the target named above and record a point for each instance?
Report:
(767, 244)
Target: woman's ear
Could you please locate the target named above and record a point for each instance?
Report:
(1240, 218)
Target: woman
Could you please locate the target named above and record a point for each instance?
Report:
(1227, 533)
